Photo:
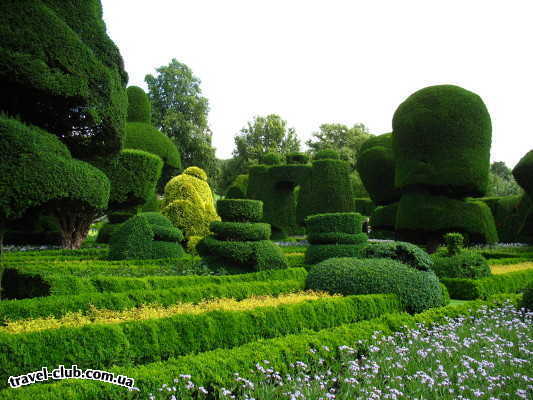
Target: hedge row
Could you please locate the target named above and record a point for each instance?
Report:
(58, 306)
(240, 231)
(60, 254)
(219, 366)
(319, 252)
(101, 346)
(19, 284)
(345, 222)
(469, 289)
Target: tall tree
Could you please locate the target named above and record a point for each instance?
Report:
(347, 141)
(501, 181)
(180, 111)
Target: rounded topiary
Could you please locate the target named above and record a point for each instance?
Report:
(349, 222)
(296, 158)
(146, 236)
(188, 202)
(384, 217)
(238, 188)
(527, 297)
(403, 252)
(442, 137)
(240, 210)
(417, 290)
(326, 154)
(271, 159)
(523, 173)
(139, 107)
(376, 167)
(364, 206)
(462, 265)
(241, 231)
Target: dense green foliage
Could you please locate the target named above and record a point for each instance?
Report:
(336, 238)
(384, 217)
(523, 173)
(376, 167)
(454, 243)
(271, 158)
(139, 107)
(320, 252)
(417, 290)
(527, 298)
(240, 231)
(404, 252)
(466, 264)
(238, 188)
(432, 149)
(60, 71)
(348, 222)
(296, 158)
(240, 210)
(146, 236)
(364, 206)
(510, 215)
(326, 154)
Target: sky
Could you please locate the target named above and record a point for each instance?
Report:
(335, 61)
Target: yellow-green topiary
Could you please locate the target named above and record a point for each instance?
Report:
(188, 202)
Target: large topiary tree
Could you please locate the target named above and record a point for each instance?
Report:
(523, 173)
(38, 171)
(441, 144)
(188, 202)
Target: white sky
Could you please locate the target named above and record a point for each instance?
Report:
(315, 62)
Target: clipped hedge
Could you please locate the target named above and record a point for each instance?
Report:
(139, 107)
(417, 290)
(470, 289)
(58, 306)
(219, 366)
(364, 206)
(326, 154)
(100, 346)
(240, 210)
(239, 231)
(297, 158)
(336, 238)
(466, 264)
(523, 173)
(384, 217)
(238, 188)
(403, 252)
(348, 222)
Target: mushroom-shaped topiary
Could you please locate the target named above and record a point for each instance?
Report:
(523, 173)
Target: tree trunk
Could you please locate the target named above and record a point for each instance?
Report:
(74, 226)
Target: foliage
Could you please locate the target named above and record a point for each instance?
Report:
(60, 71)
(461, 265)
(188, 202)
(364, 206)
(240, 210)
(146, 236)
(139, 107)
(180, 111)
(327, 154)
(384, 217)
(296, 158)
(348, 222)
(501, 181)
(432, 149)
(454, 243)
(527, 299)
(320, 252)
(241, 231)
(347, 141)
(271, 159)
(238, 188)
(404, 252)
(523, 173)
(417, 290)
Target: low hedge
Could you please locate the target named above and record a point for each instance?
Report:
(336, 238)
(19, 283)
(241, 231)
(101, 346)
(240, 210)
(58, 306)
(466, 264)
(321, 252)
(404, 252)
(335, 222)
(470, 289)
(417, 290)
(218, 367)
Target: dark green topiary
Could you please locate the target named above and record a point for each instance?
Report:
(146, 236)
(527, 298)
(384, 217)
(238, 188)
(510, 215)
(442, 137)
(336, 238)
(523, 173)
(376, 167)
(454, 243)
(297, 158)
(139, 107)
(320, 252)
(38, 171)
(272, 159)
(417, 290)
(466, 264)
(364, 206)
(348, 222)
(105, 232)
(403, 252)
(326, 154)
(60, 71)
(238, 245)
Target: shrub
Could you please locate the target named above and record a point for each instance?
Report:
(271, 159)
(403, 252)
(146, 236)
(348, 222)
(454, 243)
(462, 265)
(384, 217)
(240, 230)
(240, 210)
(320, 252)
(364, 206)
(297, 158)
(139, 107)
(336, 238)
(527, 298)
(417, 290)
(510, 215)
(376, 167)
(188, 202)
(326, 154)
(238, 188)
(523, 173)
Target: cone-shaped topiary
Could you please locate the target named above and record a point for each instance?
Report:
(146, 236)
(188, 202)
(240, 243)
(334, 235)
(375, 165)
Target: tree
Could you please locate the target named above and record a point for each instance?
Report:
(265, 135)
(501, 181)
(180, 111)
(346, 141)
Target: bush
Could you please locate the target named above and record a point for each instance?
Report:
(146, 236)
(240, 210)
(327, 154)
(510, 215)
(188, 202)
(463, 265)
(417, 290)
(241, 231)
(403, 252)
(238, 188)
(297, 158)
(454, 243)
(320, 252)
(527, 298)
(271, 159)
(105, 232)
(523, 173)
(348, 222)
(384, 217)
(433, 150)
(364, 206)
(139, 107)
(336, 238)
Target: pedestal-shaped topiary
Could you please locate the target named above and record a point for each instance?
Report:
(240, 242)
(441, 143)
(334, 235)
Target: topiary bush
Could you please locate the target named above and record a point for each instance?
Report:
(326, 154)
(466, 264)
(271, 159)
(454, 243)
(364, 206)
(523, 173)
(239, 242)
(510, 215)
(188, 202)
(404, 252)
(238, 189)
(417, 290)
(139, 107)
(527, 298)
(146, 236)
(296, 158)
